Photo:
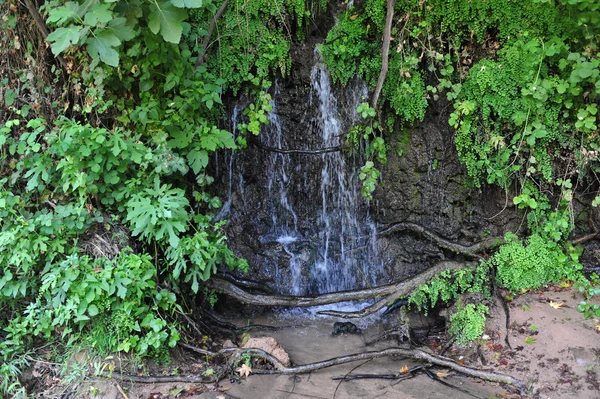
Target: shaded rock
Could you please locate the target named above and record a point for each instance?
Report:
(269, 345)
(229, 344)
(345, 328)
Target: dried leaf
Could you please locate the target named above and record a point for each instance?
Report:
(244, 370)
(197, 365)
(556, 305)
(597, 327)
(441, 374)
(404, 369)
(353, 17)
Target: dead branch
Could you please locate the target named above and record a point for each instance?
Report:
(471, 250)
(318, 151)
(202, 55)
(385, 51)
(585, 238)
(35, 14)
(391, 292)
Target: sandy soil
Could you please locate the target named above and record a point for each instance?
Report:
(555, 349)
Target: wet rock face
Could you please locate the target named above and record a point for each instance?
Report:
(296, 217)
(425, 185)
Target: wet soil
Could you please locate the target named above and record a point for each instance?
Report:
(552, 347)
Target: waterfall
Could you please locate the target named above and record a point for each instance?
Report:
(311, 219)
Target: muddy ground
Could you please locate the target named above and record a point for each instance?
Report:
(553, 348)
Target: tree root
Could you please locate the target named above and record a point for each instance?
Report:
(472, 250)
(391, 292)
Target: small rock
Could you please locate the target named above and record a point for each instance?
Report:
(485, 337)
(269, 345)
(345, 328)
(229, 344)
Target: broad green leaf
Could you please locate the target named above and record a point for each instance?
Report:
(10, 96)
(197, 159)
(99, 14)
(166, 19)
(93, 310)
(62, 38)
(187, 3)
(61, 15)
(131, 10)
(102, 45)
(120, 29)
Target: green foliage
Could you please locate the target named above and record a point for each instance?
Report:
(468, 322)
(255, 42)
(448, 285)
(367, 132)
(127, 146)
(349, 47)
(590, 289)
(103, 27)
(537, 262)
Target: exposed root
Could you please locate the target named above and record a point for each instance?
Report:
(390, 293)
(472, 250)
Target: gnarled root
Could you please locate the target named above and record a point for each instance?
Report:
(471, 250)
(391, 292)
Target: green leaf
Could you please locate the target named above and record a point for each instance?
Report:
(198, 159)
(101, 45)
(187, 3)
(119, 27)
(10, 96)
(167, 19)
(93, 310)
(98, 14)
(63, 38)
(61, 15)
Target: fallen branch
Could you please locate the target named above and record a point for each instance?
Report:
(202, 55)
(280, 368)
(585, 238)
(391, 291)
(415, 354)
(471, 250)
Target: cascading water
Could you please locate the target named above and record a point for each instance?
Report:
(316, 230)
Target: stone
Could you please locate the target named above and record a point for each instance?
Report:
(229, 344)
(269, 345)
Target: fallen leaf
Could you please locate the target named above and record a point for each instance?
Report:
(197, 365)
(441, 374)
(244, 370)
(353, 17)
(598, 327)
(404, 369)
(175, 391)
(556, 305)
